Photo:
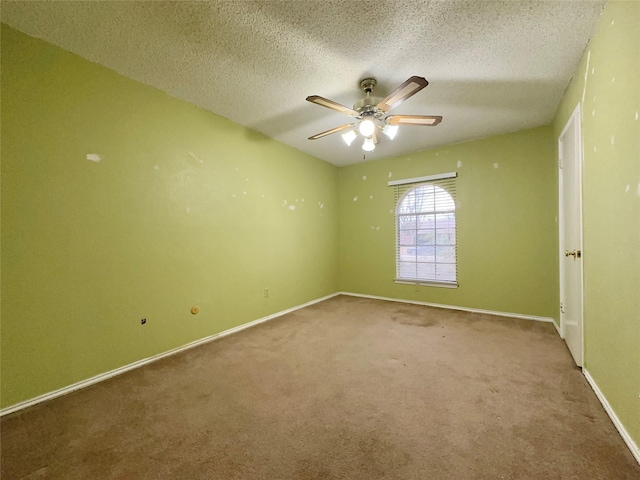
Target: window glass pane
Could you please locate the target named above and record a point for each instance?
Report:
(445, 254)
(407, 237)
(445, 237)
(426, 271)
(407, 254)
(426, 254)
(445, 272)
(408, 203)
(407, 221)
(406, 270)
(443, 200)
(426, 237)
(424, 199)
(446, 220)
(425, 221)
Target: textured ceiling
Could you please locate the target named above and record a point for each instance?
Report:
(493, 66)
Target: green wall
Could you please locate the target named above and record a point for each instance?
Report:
(184, 208)
(610, 99)
(506, 224)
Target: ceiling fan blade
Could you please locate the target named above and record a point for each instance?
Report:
(325, 102)
(333, 130)
(422, 120)
(404, 91)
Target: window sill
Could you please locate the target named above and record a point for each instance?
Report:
(425, 283)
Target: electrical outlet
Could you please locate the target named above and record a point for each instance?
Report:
(266, 293)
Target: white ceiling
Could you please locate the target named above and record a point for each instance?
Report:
(493, 66)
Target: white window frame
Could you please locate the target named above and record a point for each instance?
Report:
(445, 181)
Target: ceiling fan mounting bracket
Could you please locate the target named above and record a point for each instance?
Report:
(367, 85)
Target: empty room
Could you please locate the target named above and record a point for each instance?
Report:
(394, 239)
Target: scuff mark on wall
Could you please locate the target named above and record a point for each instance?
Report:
(459, 164)
(627, 188)
(321, 204)
(156, 167)
(391, 174)
(355, 199)
(199, 160)
(292, 207)
(496, 165)
(364, 177)
(94, 157)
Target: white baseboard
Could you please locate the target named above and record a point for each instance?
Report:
(614, 418)
(104, 376)
(558, 329)
(453, 307)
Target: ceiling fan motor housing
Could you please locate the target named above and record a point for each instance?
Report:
(368, 106)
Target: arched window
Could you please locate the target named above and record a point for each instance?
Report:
(426, 233)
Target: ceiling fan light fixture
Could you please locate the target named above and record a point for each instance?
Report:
(369, 111)
(390, 131)
(366, 127)
(349, 137)
(368, 145)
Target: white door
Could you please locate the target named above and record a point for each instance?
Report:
(570, 221)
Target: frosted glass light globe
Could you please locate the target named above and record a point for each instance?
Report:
(366, 127)
(368, 145)
(349, 137)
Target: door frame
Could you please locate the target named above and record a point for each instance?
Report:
(575, 117)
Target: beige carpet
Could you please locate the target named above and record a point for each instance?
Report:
(350, 388)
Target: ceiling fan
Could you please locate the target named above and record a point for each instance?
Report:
(370, 110)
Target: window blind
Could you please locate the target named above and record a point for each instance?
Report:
(426, 247)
